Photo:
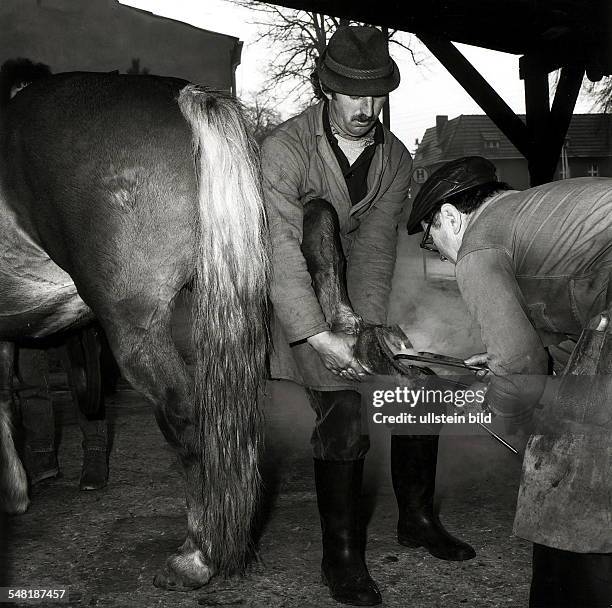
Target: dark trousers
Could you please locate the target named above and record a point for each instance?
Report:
(563, 579)
(37, 414)
(339, 432)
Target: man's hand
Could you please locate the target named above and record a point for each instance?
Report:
(336, 350)
(479, 359)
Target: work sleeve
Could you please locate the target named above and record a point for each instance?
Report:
(515, 354)
(295, 303)
(373, 254)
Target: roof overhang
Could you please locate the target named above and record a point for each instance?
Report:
(562, 32)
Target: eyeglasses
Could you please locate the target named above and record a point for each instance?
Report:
(427, 241)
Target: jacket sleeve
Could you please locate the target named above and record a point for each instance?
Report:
(516, 355)
(293, 297)
(373, 253)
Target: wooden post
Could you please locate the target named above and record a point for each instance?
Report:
(547, 127)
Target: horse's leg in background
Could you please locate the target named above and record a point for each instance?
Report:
(326, 264)
(13, 480)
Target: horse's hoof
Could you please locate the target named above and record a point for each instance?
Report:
(14, 498)
(15, 505)
(184, 572)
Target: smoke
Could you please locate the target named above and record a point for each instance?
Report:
(430, 310)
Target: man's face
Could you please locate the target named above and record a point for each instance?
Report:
(447, 231)
(442, 241)
(352, 115)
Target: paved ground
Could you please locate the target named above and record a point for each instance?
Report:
(106, 546)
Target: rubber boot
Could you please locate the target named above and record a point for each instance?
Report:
(413, 471)
(343, 567)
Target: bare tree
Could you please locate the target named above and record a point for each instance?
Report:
(601, 94)
(298, 38)
(135, 68)
(261, 117)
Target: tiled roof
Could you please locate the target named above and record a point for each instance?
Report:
(589, 135)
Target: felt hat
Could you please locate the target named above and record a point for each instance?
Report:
(357, 62)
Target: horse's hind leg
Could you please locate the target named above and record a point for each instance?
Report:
(151, 363)
(13, 480)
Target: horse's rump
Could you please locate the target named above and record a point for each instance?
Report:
(97, 173)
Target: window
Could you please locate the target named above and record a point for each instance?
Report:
(492, 144)
(593, 170)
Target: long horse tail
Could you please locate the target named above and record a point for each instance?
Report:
(231, 329)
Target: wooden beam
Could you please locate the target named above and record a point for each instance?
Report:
(563, 106)
(547, 126)
(480, 90)
(537, 109)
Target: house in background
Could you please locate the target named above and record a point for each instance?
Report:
(103, 36)
(587, 150)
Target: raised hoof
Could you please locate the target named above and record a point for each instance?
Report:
(184, 572)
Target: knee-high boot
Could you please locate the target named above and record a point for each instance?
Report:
(413, 471)
(343, 567)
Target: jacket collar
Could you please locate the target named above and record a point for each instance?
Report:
(332, 167)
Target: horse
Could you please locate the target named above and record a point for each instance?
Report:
(116, 192)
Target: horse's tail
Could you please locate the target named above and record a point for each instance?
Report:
(231, 330)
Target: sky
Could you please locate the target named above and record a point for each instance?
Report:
(425, 90)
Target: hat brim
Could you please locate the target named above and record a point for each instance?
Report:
(376, 87)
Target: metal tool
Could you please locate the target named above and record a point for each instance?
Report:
(499, 438)
(397, 345)
(437, 359)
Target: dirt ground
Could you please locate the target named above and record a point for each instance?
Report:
(105, 547)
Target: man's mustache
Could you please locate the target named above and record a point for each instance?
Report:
(362, 118)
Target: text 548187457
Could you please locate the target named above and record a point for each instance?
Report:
(33, 595)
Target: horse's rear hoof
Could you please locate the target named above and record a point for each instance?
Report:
(14, 492)
(18, 505)
(183, 572)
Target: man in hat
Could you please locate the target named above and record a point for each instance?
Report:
(534, 268)
(337, 157)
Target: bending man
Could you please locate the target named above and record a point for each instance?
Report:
(534, 268)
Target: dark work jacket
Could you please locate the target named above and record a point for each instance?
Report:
(534, 268)
(299, 165)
